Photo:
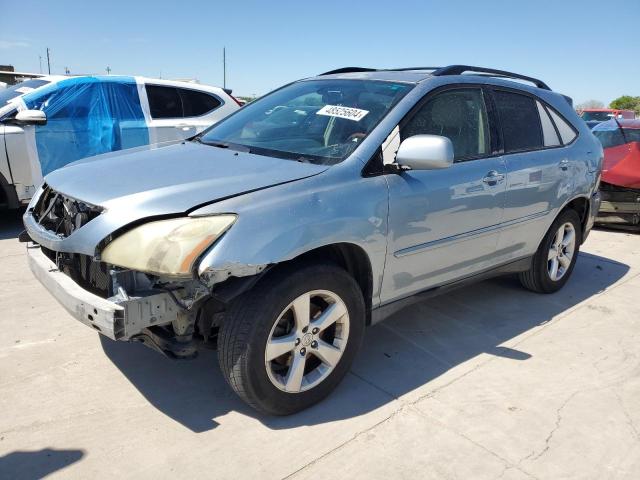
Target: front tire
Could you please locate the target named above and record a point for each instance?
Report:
(287, 343)
(556, 257)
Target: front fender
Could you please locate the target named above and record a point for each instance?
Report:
(283, 222)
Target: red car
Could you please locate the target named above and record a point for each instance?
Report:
(620, 186)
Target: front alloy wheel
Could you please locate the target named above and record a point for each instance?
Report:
(288, 342)
(307, 341)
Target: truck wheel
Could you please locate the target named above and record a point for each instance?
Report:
(556, 256)
(287, 343)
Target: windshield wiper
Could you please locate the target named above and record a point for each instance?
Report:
(231, 146)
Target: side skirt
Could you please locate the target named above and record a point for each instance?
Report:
(388, 309)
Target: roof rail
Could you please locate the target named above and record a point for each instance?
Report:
(460, 69)
(450, 70)
(349, 70)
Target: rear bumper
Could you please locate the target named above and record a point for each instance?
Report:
(119, 320)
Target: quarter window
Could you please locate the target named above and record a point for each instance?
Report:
(548, 130)
(521, 128)
(567, 133)
(197, 103)
(459, 115)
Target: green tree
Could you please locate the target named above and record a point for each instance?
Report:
(626, 102)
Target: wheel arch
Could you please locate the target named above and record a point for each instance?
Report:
(349, 256)
(581, 206)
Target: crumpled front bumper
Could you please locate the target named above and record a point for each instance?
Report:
(119, 320)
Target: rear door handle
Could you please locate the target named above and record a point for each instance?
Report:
(564, 164)
(493, 178)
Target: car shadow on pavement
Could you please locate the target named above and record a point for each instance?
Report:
(403, 353)
(27, 465)
(10, 223)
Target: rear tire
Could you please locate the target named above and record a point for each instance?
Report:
(271, 359)
(556, 257)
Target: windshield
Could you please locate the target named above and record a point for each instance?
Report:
(599, 116)
(320, 121)
(20, 89)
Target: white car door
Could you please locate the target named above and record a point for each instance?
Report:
(22, 157)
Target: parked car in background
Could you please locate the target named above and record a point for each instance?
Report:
(323, 207)
(594, 116)
(620, 186)
(49, 122)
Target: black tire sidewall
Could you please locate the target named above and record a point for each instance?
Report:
(549, 285)
(272, 295)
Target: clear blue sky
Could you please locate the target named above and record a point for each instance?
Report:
(587, 49)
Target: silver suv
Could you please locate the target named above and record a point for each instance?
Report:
(321, 208)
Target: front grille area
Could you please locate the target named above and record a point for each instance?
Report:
(85, 271)
(61, 214)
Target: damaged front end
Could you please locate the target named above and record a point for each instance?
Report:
(143, 285)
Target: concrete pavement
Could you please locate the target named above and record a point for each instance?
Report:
(489, 381)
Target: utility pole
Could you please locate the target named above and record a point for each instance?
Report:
(48, 61)
(224, 67)
(40, 60)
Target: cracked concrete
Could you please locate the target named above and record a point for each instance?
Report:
(488, 381)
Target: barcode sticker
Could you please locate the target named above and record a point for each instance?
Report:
(349, 113)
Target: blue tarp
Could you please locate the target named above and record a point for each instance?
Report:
(87, 116)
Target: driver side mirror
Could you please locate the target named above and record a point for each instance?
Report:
(29, 117)
(425, 152)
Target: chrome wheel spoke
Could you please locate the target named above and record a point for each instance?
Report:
(553, 253)
(302, 311)
(278, 346)
(293, 381)
(553, 269)
(328, 354)
(330, 316)
(568, 238)
(564, 261)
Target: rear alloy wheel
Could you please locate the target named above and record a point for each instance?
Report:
(288, 342)
(561, 251)
(556, 257)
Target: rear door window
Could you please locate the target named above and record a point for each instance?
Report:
(196, 103)
(521, 126)
(164, 102)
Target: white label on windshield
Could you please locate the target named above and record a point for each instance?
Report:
(24, 89)
(342, 112)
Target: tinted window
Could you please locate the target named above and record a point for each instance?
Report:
(567, 133)
(197, 103)
(459, 115)
(520, 122)
(164, 102)
(548, 130)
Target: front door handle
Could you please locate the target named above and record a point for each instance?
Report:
(493, 178)
(564, 164)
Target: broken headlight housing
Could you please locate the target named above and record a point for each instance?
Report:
(166, 247)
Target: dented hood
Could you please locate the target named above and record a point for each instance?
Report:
(174, 178)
